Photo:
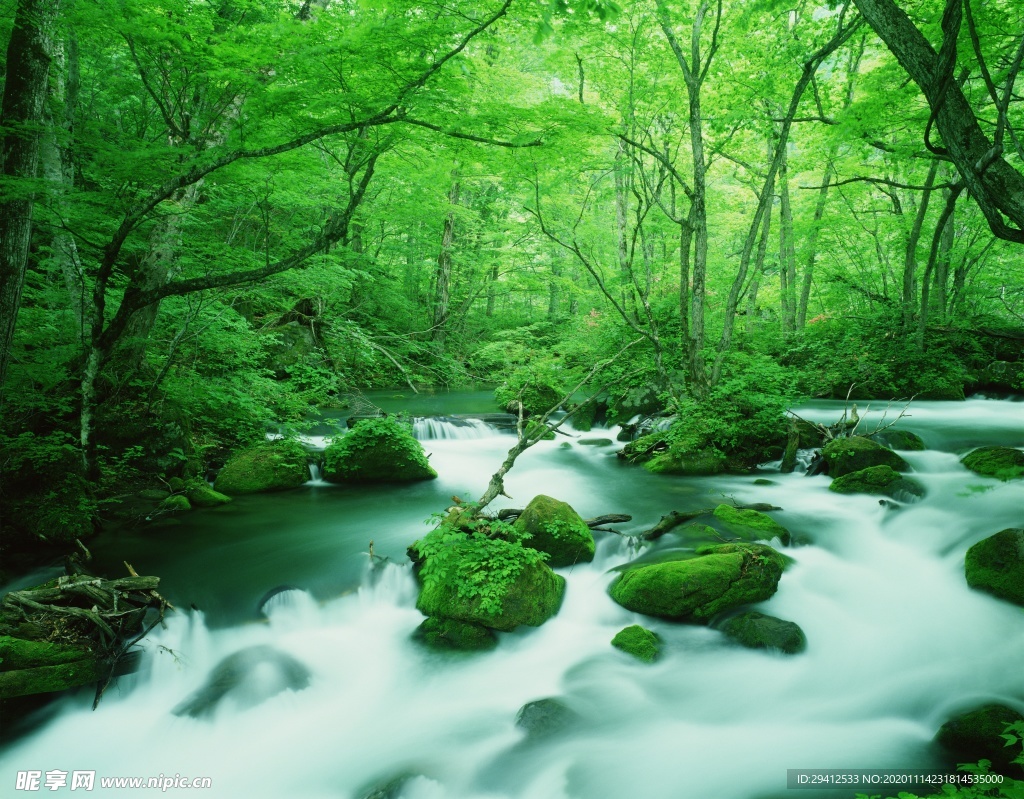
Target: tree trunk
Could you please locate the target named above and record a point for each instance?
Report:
(812, 246)
(910, 256)
(443, 276)
(787, 252)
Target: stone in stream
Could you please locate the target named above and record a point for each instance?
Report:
(878, 480)
(845, 455)
(1003, 463)
(174, 503)
(758, 631)
(380, 450)
(996, 565)
(979, 734)
(899, 439)
(545, 717)
(268, 466)
(751, 525)
(718, 579)
(449, 634)
(641, 643)
(552, 526)
(205, 497)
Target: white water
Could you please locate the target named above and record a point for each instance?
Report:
(427, 428)
(896, 643)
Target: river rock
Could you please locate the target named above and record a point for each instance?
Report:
(751, 525)
(845, 455)
(979, 734)
(268, 466)
(153, 494)
(996, 565)
(205, 497)
(536, 389)
(1004, 463)
(378, 450)
(718, 579)
(453, 634)
(758, 631)
(641, 643)
(555, 528)
(174, 504)
(899, 439)
(545, 717)
(878, 480)
(37, 667)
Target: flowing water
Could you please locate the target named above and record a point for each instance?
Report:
(896, 640)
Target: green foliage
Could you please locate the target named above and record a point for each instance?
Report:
(381, 449)
(538, 386)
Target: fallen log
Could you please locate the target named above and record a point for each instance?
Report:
(675, 518)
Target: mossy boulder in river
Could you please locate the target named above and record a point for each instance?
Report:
(751, 524)
(996, 565)
(845, 455)
(267, 466)
(174, 504)
(205, 497)
(878, 480)
(37, 667)
(377, 450)
(439, 633)
(641, 643)
(899, 439)
(979, 734)
(718, 579)
(551, 526)
(758, 631)
(1004, 463)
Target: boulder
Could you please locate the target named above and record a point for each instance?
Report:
(641, 643)
(899, 439)
(595, 442)
(37, 667)
(268, 466)
(845, 455)
(1003, 463)
(205, 497)
(693, 463)
(751, 525)
(537, 387)
(996, 565)
(553, 527)
(174, 504)
(153, 494)
(758, 631)
(380, 450)
(453, 634)
(718, 579)
(979, 734)
(878, 480)
(545, 717)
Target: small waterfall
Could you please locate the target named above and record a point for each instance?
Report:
(451, 427)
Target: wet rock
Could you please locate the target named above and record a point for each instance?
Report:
(595, 442)
(174, 504)
(377, 450)
(1003, 463)
(758, 631)
(718, 579)
(205, 497)
(545, 717)
(751, 525)
(845, 455)
(268, 466)
(878, 480)
(153, 494)
(979, 734)
(899, 439)
(555, 528)
(641, 643)
(464, 636)
(996, 565)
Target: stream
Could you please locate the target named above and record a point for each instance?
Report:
(897, 642)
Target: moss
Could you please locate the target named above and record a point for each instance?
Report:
(751, 524)
(536, 387)
(877, 480)
(996, 565)
(720, 578)
(532, 428)
(205, 497)
(380, 450)
(641, 643)
(899, 439)
(440, 633)
(1004, 463)
(153, 494)
(758, 631)
(174, 503)
(979, 734)
(551, 526)
(268, 466)
(36, 667)
(692, 463)
(544, 717)
(176, 484)
(845, 455)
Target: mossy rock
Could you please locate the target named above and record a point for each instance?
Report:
(694, 463)
(899, 439)
(1003, 463)
(641, 643)
(758, 631)
(464, 636)
(380, 450)
(718, 579)
(584, 415)
(268, 466)
(37, 667)
(554, 527)
(534, 387)
(996, 565)
(153, 494)
(845, 455)
(878, 480)
(978, 735)
(532, 428)
(545, 717)
(751, 524)
(205, 497)
(176, 484)
(174, 504)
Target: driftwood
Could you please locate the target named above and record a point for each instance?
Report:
(676, 518)
(511, 514)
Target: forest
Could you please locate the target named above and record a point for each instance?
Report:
(228, 220)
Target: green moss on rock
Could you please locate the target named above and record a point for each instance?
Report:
(464, 636)
(544, 717)
(751, 524)
(877, 480)
(899, 439)
(996, 565)
(174, 504)
(979, 734)
(36, 667)
(551, 526)
(1003, 463)
(693, 463)
(641, 643)
(379, 450)
(758, 631)
(720, 578)
(268, 466)
(845, 455)
(205, 497)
